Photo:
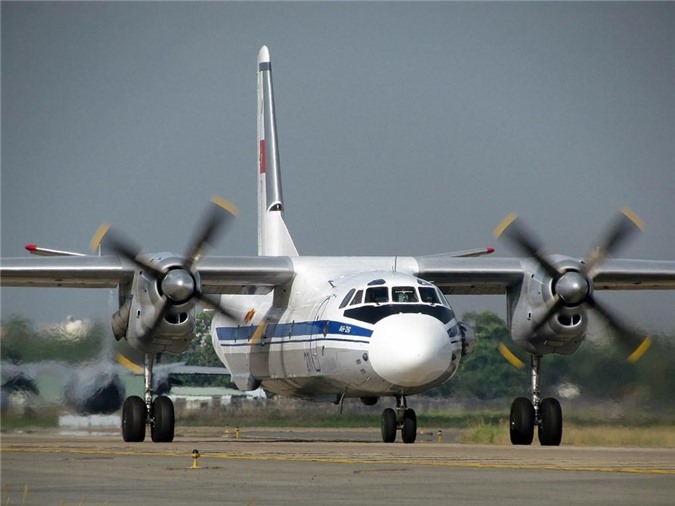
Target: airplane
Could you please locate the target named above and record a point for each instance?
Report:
(331, 328)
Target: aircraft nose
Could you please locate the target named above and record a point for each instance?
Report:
(410, 350)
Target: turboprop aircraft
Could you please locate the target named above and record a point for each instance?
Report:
(330, 328)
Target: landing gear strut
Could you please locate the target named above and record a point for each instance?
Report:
(545, 414)
(402, 418)
(137, 413)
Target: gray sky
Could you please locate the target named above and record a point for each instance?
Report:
(405, 128)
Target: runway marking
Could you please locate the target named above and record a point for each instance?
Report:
(383, 460)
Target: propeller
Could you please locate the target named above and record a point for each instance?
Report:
(574, 287)
(177, 284)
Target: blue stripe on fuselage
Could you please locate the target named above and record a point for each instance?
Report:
(338, 331)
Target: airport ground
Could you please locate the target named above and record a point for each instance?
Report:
(291, 466)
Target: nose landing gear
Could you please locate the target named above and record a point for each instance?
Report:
(402, 418)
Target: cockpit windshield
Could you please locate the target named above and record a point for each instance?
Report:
(378, 292)
(404, 294)
(377, 295)
(377, 300)
(429, 295)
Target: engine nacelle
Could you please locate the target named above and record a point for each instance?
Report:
(562, 333)
(120, 320)
(137, 319)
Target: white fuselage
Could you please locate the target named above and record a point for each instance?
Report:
(344, 327)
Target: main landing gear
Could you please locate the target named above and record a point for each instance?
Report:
(402, 418)
(137, 413)
(545, 414)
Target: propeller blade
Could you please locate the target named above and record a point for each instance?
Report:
(515, 232)
(122, 246)
(160, 315)
(626, 336)
(259, 331)
(129, 364)
(510, 356)
(640, 350)
(625, 225)
(218, 215)
(213, 304)
(552, 308)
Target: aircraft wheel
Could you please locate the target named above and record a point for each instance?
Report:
(388, 425)
(409, 429)
(522, 421)
(550, 428)
(133, 419)
(163, 420)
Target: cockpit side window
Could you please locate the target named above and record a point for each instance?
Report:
(377, 295)
(404, 294)
(358, 298)
(347, 298)
(429, 295)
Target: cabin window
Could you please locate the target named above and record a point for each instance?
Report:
(347, 298)
(429, 295)
(377, 295)
(404, 294)
(358, 298)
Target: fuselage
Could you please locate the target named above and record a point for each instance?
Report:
(342, 328)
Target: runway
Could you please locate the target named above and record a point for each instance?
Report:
(322, 466)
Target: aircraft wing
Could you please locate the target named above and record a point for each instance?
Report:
(71, 272)
(477, 276)
(218, 274)
(244, 274)
(619, 274)
(471, 276)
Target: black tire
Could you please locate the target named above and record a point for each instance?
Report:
(388, 425)
(163, 420)
(133, 419)
(409, 429)
(550, 429)
(522, 421)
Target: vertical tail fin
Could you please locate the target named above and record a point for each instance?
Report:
(273, 236)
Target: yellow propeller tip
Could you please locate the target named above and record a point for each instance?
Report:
(640, 350)
(259, 331)
(131, 366)
(504, 224)
(98, 236)
(226, 204)
(510, 357)
(632, 216)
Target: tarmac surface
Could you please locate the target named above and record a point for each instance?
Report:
(322, 467)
